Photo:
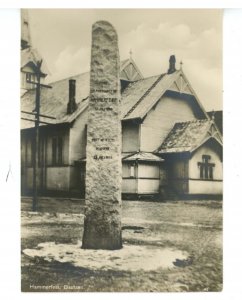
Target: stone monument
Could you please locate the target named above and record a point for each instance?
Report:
(102, 223)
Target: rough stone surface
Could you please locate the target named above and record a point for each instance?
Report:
(102, 223)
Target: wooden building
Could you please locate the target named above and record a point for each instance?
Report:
(170, 145)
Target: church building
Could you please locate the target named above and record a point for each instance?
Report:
(171, 147)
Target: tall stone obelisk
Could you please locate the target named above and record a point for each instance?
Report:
(102, 223)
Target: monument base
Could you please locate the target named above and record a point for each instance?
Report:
(106, 237)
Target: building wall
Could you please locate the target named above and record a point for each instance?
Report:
(146, 179)
(75, 179)
(149, 170)
(148, 186)
(130, 137)
(129, 186)
(78, 138)
(194, 172)
(126, 173)
(161, 119)
(61, 132)
(50, 177)
(129, 183)
(205, 186)
(58, 178)
(178, 174)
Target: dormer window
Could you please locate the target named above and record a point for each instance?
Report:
(30, 77)
(26, 79)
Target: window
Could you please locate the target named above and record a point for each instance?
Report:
(29, 77)
(131, 171)
(206, 168)
(31, 154)
(57, 147)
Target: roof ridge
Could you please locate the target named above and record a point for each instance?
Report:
(175, 138)
(145, 94)
(193, 121)
(78, 74)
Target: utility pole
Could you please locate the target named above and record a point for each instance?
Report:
(36, 132)
(36, 138)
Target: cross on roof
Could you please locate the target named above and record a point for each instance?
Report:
(130, 54)
(213, 114)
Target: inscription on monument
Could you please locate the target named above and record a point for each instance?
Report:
(102, 104)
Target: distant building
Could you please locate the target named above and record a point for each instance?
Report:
(29, 57)
(170, 146)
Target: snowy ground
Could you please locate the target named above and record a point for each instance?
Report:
(173, 246)
(129, 258)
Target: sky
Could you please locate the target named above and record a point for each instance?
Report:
(194, 36)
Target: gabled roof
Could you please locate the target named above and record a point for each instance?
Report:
(136, 100)
(141, 96)
(218, 118)
(141, 156)
(54, 101)
(30, 57)
(134, 92)
(129, 70)
(188, 136)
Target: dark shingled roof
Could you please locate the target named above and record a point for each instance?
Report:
(136, 100)
(141, 156)
(54, 101)
(29, 55)
(142, 95)
(185, 136)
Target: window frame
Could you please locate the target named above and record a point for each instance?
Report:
(57, 151)
(206, 169)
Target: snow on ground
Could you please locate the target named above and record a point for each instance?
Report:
(134, 221)
(31, 217)
(129, 258)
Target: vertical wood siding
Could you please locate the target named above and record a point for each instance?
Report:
(130, 137)
(64, 133)
(58, 178)
(149, 171)
(146, 181)
(78, 138)
(148, 186)
(161, 119)
(178, 175)
(129, 186)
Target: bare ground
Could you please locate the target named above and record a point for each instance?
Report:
(191, 226)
